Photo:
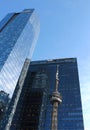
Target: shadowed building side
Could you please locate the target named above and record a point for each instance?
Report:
(4, 102)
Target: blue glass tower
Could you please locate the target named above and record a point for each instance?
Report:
(18, 35)
(30, 107)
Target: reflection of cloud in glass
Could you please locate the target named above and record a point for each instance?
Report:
(22, 49)
(85, 89)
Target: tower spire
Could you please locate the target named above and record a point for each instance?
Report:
(57, 78)
(55, 100)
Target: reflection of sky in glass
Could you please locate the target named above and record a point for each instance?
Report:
(25, 37)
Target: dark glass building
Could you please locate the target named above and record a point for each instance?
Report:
(4, 101)
(18, 36)
(30, 107)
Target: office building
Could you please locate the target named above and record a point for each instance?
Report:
(31, 108)
(18, 36)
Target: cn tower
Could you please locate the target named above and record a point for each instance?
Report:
(55, 100)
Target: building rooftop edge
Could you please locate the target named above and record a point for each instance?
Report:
(23, 11)
(53, 61)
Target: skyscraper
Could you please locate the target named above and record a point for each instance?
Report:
(18, 35)
(30, 107)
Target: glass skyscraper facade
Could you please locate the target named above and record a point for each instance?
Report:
(18, 36)
(30, 107)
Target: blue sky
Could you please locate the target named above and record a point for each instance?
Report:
(64, 32)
